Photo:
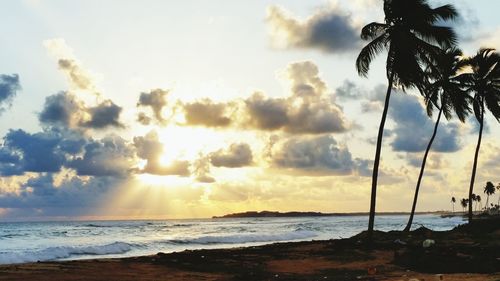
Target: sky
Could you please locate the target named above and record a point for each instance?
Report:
(155, 109)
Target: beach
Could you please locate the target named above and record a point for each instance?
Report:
(468, 252)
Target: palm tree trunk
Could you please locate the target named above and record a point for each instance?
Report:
(422, 169)
(476, 156)
(371, 220)
(487, 199)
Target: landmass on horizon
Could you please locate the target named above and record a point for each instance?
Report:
(272, 214)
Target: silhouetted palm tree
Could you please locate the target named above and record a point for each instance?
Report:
(478, 199)
(411, 34)
(484, 83)
(489, 189)
(464, 203)
(473, 200)
(446, 91)
(498, 189)
(453, 200)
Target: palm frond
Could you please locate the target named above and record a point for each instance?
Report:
(373, 30)
(369, 52)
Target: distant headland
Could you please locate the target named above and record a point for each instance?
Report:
(274, 214)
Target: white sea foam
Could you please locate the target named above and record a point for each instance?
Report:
(246, 238)
(54, 253)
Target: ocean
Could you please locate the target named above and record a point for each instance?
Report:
(22, 242)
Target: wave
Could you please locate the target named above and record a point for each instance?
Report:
(116, 224)
(245, 238)
(62, 252)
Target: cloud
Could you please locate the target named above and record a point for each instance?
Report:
(349, 91)
(42, 195)
(25, 152)
(51, 150)
(308, 110)
(9, 85)
(110, 156)
(202, 170)
(156, 100)
(238, 155)
(66, 110)
(413, 128)
(77, 76)
(69, 110)
(317, 155)
(150, 148)
(330, 30)
(105, 114)
(62, 109)
(434, 161)
(207, 113)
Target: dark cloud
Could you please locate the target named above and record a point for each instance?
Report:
(207, 113)
(320, 154)
(51, 150)
(105, 114)
(9, 85)
(62, 109)
(309, 109)
(329, 30)
(156, 99)
(267, 113)
(73, 196)
(67, 111)
(110, 156)
(238, 155)
(150, 149)
(39, 152)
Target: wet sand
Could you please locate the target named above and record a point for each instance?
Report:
(466, 253)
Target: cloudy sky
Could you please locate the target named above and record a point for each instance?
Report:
(154, 109)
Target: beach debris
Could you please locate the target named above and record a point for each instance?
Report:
(372, 270)
(400, 242)
(428, 243)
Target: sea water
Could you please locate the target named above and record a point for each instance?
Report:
(22, 242)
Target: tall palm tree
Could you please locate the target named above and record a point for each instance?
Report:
(464, 203)
(453, 200)
(484, 83)
(489, 189)
(447, 91)
(411, 36)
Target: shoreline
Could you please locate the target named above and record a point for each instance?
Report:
(468, 252)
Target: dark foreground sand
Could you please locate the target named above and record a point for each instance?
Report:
(466, 253)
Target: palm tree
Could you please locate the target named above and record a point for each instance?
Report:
(478, 199)
(464, 203)
(489, 189)
(498, 189)
(408, 33)
(448, 91)
(484, 83)
(453, 200)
